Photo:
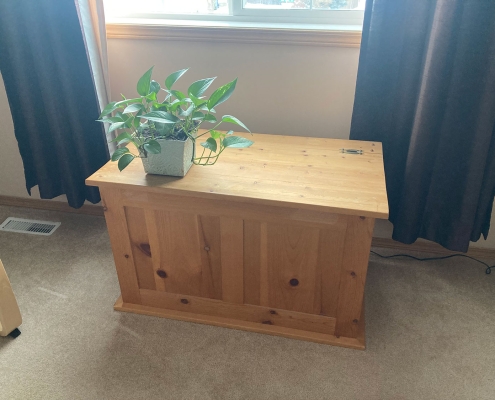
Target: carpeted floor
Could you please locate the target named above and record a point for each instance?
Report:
(430, 334)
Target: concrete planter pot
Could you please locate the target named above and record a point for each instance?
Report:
(174, 160)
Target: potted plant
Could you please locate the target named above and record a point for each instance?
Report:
(165, 131)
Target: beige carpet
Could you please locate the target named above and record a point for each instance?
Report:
(430, 334)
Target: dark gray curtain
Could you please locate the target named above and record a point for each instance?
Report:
(426, 90)
(52, 97)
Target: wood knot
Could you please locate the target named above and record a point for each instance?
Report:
(273, 312)
(207, 248)
(105, 209)
(362, 217)
(145, 248)
(294, 282)
(126, 255)
(353, 274)
(161, 273)
(184, 301)
(355, 321)
(267, 322)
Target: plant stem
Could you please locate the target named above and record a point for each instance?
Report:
(212, 129)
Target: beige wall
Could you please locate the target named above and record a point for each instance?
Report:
(285, 89)
(292, 90)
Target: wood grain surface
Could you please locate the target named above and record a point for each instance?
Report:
(276, 241)
(301, 172)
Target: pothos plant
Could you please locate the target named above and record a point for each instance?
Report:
(177, 116)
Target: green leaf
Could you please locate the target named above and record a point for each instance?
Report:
(178, 94)
(197, 115)
(129, 121)
(122, 136)
(210, 144)
(115, 125)
(229, 132)
(133, 108)
(128, 101)
(160, 116)
(124, 142)
(153, 147)
(155, 87)
(111, 120)
(125, 160)
(188, 111)
(174, 77)
(119, 153)
(151, 97)
(210, 118)
(234, 120)
(199, 87)
(197, 102)
(137, 121)
(205, 108)
(159, 106)
(176, 104)
(216, 134)
(236, 141)
(109, 108)
(222, 94)
(144, 83)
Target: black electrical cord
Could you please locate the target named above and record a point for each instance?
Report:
(487, 271)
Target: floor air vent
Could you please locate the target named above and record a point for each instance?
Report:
(32, 226)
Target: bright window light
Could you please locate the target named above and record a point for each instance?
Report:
(117, 7)
(343, 12)
(305, 4)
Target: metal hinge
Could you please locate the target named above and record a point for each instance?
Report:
(351, 151)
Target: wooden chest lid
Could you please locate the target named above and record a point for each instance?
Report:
(301, 172)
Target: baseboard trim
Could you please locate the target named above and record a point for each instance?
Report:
(50, 205)
(430, 247)
(423, 246)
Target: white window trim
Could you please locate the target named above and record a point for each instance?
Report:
(325, 28)
(201, 31)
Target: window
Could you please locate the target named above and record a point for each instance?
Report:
(335, 12)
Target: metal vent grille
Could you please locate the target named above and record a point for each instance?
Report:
(31, 226)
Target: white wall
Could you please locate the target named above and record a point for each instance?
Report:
(282, 89)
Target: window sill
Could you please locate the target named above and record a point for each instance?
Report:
(235, 32)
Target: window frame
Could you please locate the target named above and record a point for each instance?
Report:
(239, 14)
(308, 16)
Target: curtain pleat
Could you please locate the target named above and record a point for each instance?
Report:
(426, 90)
(52, 98)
